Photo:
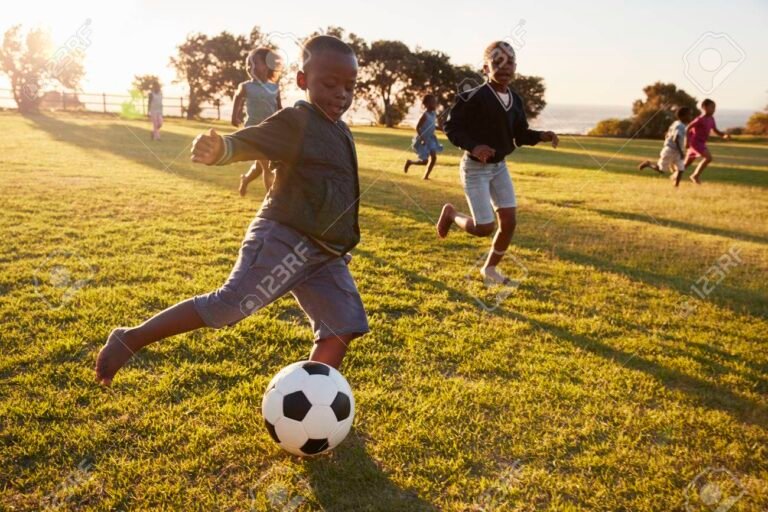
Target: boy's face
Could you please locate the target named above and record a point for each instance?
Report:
(685, 119)
(500, 66)
(709, 109)
(329, 79)
(431, 103)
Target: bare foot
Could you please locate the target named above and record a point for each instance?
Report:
(407, 166)
(112, 356)
(643, 165)
(446, 219)
(695, 179)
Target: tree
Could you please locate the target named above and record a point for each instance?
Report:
(145, 83)
(611, 128)
(212, 66)
(531, 88)
(228, 57)
(387, 80)
(758, 123)
(435, 74)
(652, 116)
(194, 65)
(31, 64)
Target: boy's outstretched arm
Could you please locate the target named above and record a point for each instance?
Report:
(207, 148)
(277, 138)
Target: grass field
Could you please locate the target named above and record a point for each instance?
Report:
(603, 382)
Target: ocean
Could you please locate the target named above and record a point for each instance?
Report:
(579, 119)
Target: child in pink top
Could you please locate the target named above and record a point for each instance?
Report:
(696, 140)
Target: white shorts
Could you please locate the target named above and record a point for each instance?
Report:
(669, 157)
(488, 187)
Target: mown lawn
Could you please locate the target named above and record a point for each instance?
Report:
(603, 382)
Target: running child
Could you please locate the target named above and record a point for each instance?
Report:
(425, 142)
(488, 123)
(155, 110)
(698, 134)
(300, 238)
(672, 155)
(261, 98)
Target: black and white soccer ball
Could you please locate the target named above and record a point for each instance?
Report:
(308, 408)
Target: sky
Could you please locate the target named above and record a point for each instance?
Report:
(589, 53)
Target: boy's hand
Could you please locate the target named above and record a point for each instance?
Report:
(483, 152)
(550, 137)
(207, 148)
(727, 136)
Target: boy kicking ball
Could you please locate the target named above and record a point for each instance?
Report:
(672, 154)
(299, 240)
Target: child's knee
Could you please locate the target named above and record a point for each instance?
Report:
(507, 220)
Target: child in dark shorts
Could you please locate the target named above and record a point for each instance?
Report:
(300, 238)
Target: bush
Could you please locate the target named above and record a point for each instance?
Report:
(758, 124)
(611, 128)
(737, 130)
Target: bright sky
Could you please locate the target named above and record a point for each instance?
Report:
(591, 53)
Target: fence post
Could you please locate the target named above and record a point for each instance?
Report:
(181, 102)
(104, 101)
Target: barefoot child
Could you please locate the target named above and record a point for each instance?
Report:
(261, 98)
(299, 240)
(488, 123)
(698, 134)
(155, 109)
(425, 142)
(672, 154)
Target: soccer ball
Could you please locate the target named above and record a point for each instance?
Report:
(308, 408)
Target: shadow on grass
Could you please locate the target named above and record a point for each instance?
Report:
(169, 155)
(648, 219)
(350, 479)
(702, 392)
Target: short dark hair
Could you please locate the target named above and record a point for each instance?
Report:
(428, 97)
(683, 112)
(495, 47)
(707, 102)
(323, 43)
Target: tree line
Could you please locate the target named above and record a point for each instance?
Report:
(392, 75)
(652, 116)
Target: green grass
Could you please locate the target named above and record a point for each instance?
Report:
(585, 389)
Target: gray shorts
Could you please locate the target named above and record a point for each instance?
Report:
(275, 259)
(488, 187)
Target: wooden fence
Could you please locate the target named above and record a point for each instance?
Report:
(107, 103)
